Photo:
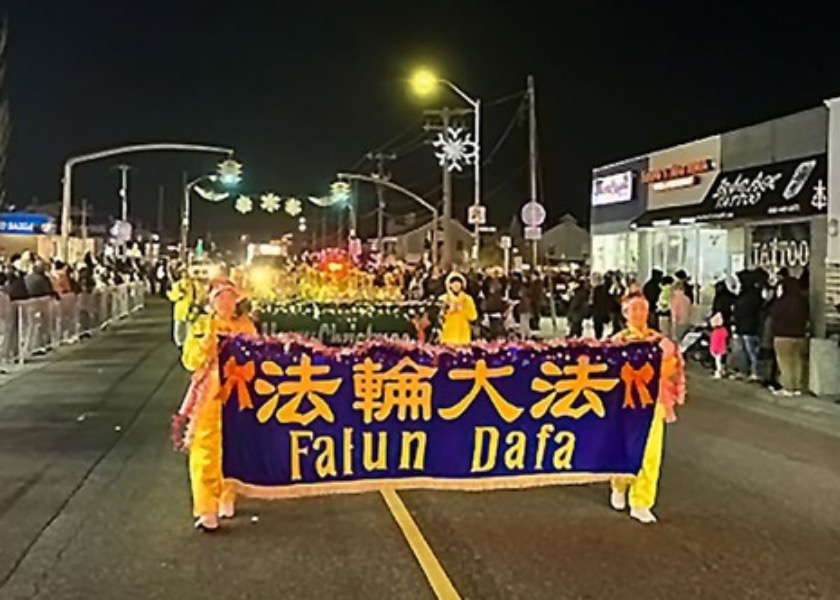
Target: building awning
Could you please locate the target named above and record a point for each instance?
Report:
(783, 190)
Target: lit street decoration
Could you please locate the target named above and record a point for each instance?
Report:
(455, 148)
(270, 202)
(339, 192)
(244, 204)
(211, 195)
(230, 172)
(293, 207)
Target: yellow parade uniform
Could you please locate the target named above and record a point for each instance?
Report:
(183, 295)
(643, 487)
(208, 487)
(459, 312)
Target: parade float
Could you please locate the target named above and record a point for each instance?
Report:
(332, 299)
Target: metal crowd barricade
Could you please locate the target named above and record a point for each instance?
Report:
(35, 326)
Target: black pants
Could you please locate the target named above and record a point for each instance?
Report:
(575, 328)
(599, 324)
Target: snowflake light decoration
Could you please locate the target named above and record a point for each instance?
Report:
(244, 204)
(455, 149)
(270, 203)
(293, 207)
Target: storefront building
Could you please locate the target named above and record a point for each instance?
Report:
(766, 196)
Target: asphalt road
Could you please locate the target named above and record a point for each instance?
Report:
(95, 505)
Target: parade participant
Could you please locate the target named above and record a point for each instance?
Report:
(184, 296)
(212, 497)
(458, 311)
(643, 487)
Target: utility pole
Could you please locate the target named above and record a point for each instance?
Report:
(448, 251)
(160, 211)
(185, 220)
(84, 219)
(533, 163)
(532, 136)
(124, 169)
(381, 174)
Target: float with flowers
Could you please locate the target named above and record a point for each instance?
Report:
(330, 298)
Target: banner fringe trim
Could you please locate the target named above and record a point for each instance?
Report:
(304, 490)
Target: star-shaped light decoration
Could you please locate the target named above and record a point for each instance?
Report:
(270, 202)
(293, 207)
(339, 192)
(455, 149)
(229, 172)
(244, 204)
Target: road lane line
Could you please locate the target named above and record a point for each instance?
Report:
(438, 579)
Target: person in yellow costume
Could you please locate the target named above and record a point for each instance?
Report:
(643, 487)
(458, 311)
(212, 497)
(184, 295)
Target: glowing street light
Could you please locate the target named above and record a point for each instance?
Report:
(424, 82)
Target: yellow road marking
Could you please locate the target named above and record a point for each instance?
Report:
(441, 585)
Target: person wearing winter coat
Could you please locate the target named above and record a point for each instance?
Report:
(680, 312)
(602, 305)
(578, 310)
(651, 291)
(723, 302)
(747, 321)
(790, 328)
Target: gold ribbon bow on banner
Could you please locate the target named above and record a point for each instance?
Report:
(238, 376)
(638, 379)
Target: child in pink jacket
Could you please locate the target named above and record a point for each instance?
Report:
(718, 343)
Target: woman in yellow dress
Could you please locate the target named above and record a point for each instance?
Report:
(458, 311)
(212, 497)
(643, 487)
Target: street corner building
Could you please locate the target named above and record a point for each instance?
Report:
(766, 195)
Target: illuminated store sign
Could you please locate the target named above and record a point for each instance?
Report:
(677, 175)
(612, 189)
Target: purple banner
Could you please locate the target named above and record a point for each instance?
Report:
(304, 419)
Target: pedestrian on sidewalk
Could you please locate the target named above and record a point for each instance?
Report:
(790, 325)
(680, 312)
(718, 343)
(578, 309)
(652, 290)
(747, 321)
(602, 304)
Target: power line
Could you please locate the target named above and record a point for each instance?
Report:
(503, 138)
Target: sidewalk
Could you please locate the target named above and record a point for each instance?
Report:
(806, 410)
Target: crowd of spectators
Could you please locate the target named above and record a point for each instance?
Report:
(27, 275)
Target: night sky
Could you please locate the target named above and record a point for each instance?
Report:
(305, 89)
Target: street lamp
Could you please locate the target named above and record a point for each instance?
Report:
(425, 82)
(67, 180)
(229, 174)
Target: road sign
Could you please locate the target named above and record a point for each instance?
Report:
(533, 214)
(477, 214)
(506, 242)
(533, 233)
